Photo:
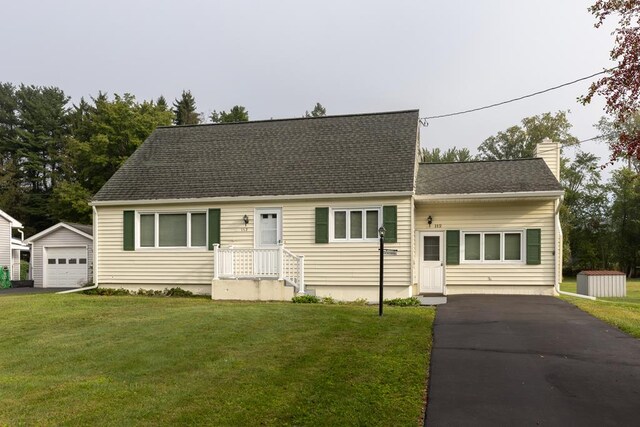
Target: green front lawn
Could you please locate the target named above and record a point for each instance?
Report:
(89, 360)
(623, 313)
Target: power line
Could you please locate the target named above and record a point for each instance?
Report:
(423, 120)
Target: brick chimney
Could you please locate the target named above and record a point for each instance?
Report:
(549, 151)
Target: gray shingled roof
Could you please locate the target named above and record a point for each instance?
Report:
(87, 229)
(333, 154)
(485, 177)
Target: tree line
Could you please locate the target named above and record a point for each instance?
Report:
(55, 155)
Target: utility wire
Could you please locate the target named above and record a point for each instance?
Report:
(423, 120)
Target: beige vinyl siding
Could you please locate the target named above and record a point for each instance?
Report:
(5, 243)
(498, 216)
(329, 264)
(59, 238)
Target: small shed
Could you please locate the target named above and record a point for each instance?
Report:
(599, 283)
(62, 256)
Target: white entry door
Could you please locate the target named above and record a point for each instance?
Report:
(431, 262)
(268, 233)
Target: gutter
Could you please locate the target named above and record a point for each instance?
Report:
(95, 258)
(557, 236)
(571, 294)
(71, 291)
(506, 195)
(225, 199)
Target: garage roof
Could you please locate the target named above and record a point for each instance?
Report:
(81, 229)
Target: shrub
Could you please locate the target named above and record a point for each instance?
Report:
(24, 270)
(149, 293)
(359, 301)
(328, 300)
(177, 292)
(106, 291)
(403, 302)
(305, 299)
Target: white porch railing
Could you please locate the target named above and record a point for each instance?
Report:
(259, 263)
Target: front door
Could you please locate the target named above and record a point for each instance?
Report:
(431, 263)
(268, 233)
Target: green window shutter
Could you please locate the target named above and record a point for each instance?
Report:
(214, 227)
(390, 222)
(453, 247)
(128, 230)
(322, 225)
(533, 246)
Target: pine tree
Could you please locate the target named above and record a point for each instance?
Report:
(237, 114)
(318, 111)
(184, 110)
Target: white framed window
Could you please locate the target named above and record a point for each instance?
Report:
(171, 229)
(491, 247)
(354, 224)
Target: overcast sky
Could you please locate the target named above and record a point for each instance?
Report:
(277, 58)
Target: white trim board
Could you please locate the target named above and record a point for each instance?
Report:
(14, 222)
(251, 198)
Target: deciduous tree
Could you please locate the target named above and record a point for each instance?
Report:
(451, 155)
(519, 142)
(621, 85)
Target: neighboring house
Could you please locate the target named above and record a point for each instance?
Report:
(300, 202)
(10, 247)
(62, 256)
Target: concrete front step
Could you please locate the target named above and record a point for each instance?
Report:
(432, 300)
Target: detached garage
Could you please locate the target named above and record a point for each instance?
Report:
(62, 256)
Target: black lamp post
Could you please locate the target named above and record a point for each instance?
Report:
(381, 232)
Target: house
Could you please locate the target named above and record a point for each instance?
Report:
(62, 256)
(10, 247)
(263, 209)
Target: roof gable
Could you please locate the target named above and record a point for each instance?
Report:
(484, 177)
(328, 155)
(81, 229)
(14, 222)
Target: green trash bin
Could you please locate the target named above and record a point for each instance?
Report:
(5, 280)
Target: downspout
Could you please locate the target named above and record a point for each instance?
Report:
(558, 236)
(95, 258)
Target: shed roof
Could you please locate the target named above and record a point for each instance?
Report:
(358, 153)
(498, 176)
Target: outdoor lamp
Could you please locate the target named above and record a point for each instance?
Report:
(429, 220)
(245, 219)
(381, 231)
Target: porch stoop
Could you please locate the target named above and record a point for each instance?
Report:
(432, 300)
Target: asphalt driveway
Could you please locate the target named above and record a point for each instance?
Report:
(526, 360)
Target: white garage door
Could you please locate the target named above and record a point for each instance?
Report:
(65, 267)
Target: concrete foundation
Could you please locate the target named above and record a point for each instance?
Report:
(251, 290)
